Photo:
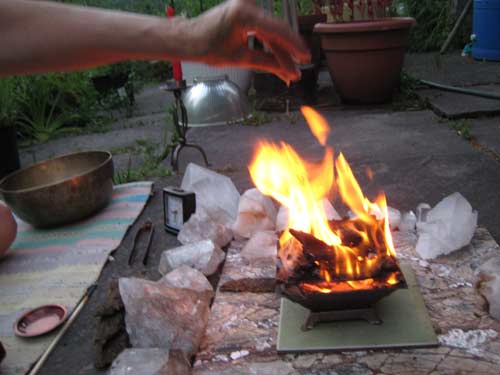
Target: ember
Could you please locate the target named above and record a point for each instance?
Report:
(327, 265)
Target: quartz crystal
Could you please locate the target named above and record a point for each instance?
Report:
(151, 361)
(256, 212)
(215, 193)
(422, 211)
(282, 219)
(447, 227)
(160, 316)
(331, 213)
(408, 222)
(200, 227)
(188, 278)
(261, 245)
(489, 285)
(394, 217)
(205, 256)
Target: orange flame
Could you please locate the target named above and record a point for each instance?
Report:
(278, 171)
(317, 124)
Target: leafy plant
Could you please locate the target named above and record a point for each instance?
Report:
(434, 22)
(257, 118)
(68, 101)
(463, 128)
(407, 98)
(153, 155)
(8, 102)
(154, 7)
(122, 177)
(39, 119)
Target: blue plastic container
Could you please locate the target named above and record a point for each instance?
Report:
(486, 28)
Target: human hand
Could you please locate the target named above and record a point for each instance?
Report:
(220, 37)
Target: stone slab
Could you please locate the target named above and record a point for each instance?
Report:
(451, 69)
(454, 105)
(242, 330)
(486, 131)
(241, 275)
(240, 323)
(447, 282)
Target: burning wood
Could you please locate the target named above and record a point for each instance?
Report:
(320, 260)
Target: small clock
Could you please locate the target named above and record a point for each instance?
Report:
(178, 206)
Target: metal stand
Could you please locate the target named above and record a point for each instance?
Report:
(181, 127)
(313, 318)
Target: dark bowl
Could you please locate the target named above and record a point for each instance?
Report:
(61, 190)
(319, 302)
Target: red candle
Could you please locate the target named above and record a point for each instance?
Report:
(176, 65)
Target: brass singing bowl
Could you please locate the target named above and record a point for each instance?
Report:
(61, 190)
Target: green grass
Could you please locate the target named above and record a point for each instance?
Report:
(257, 118)
(463, 128)
(407, 99)
(154, 160)
(131, 149)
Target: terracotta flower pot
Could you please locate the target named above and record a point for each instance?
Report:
(365, 58)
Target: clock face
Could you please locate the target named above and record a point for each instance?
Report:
(174, 212)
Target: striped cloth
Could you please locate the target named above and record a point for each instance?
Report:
(57, 266)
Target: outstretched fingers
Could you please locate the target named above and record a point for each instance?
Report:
(260, 60)
(276, 32)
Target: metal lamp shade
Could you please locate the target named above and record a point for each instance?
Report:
(215, 101)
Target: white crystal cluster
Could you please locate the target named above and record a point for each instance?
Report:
(256, 213)
(488, 283)
(447, 227)
(221, 214)
(205, 256)
(442, 229)
(150, 362)
(216, 194)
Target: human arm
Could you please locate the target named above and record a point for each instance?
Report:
(38, 36)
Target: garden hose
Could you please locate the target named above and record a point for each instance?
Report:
(482, 94)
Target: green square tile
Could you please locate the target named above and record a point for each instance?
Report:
(406, 324)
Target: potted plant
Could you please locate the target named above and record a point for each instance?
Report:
(364, 48)
(9, 155)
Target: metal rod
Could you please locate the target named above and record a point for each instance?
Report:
(286, 12)
(293, 16)
(148, 246)
(455, 28)
(147, 226)
(483, 94)
(63, 330)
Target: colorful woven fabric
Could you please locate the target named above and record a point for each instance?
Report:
(57, 266)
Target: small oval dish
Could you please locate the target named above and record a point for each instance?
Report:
(40, 320)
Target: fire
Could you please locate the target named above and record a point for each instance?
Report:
(357, 248)
(318, 125)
